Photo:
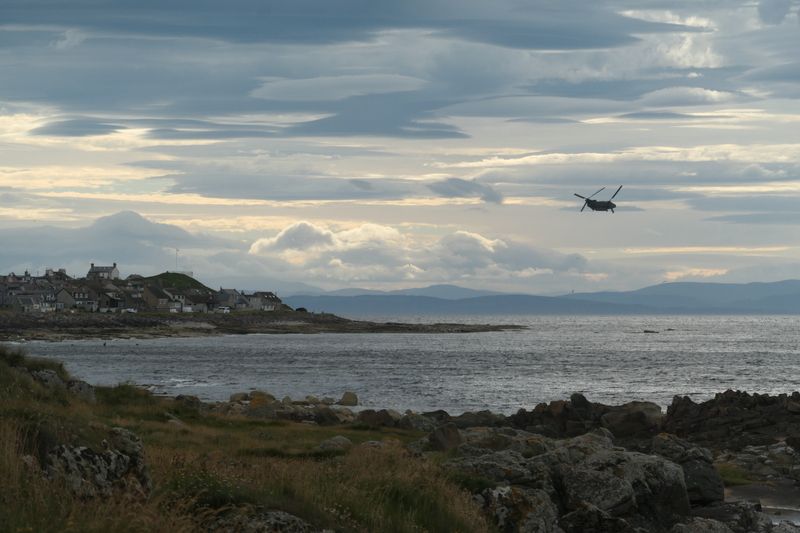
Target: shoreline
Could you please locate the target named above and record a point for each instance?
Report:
(565, 465)
(15, 327)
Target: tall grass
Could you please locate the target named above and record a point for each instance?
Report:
(31, 503)
(210, 464)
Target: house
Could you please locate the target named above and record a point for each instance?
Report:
(159, 300)
(64, 300)
(32, 303)
(230, 298)
(103, 272)
(85, 297)
(263, 301)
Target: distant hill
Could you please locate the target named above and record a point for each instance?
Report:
(781, 297)
(510, 304)
(177, 281)
(447, 292)
(774, 297)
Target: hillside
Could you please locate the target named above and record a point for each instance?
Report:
(781, 297)
(511, 304)
(178, 280)
(775, 297)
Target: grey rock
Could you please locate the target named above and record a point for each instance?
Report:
(382, 418)
(325, 416)
(504, 467)
(703, 483)
(445, 437)
(701, 525)
(337, 443)
(239, 397)
(88, 473)
(520, 509)
(417, 422)
(478, 418)
(633, 419)
(590, 519)
(740, 517)
(82, 390)
(259, 522)
(260, 396)
(49, 379)
(349, 399)
(600, 489)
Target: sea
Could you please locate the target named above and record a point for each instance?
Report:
(609, 359)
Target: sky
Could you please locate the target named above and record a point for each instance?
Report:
(384, 144)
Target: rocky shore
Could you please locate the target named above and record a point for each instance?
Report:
(568, 466)
(66, 326)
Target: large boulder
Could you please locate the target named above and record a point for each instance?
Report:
(479, 418)
(338, 443)
(590, 519)
(258, 521)
(49, 378)
(349, 399)
(703, 483)
(701, 525)
(515, 508)
(740, 517)
(598, 488)
(633, 419)
(445, 437)
(382, 418)
(82, 390)
(734, 419)
(88, 473)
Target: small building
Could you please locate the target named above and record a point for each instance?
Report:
(103, 272)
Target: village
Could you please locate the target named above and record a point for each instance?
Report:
(103, 291)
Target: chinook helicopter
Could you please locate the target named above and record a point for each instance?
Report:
(599, 205)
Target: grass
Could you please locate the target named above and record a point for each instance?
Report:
(208, 464)
(733, 475)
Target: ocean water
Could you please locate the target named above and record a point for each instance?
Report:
(608, 359)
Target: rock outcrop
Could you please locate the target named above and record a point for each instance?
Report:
(562, 418)
(571, 485)
(119, 468)
(703, 482)
(735, 418)
(587, 484)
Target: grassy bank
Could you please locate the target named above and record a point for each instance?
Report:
(206, 465)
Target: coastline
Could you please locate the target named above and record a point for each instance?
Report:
(15, 327)
(567, 465)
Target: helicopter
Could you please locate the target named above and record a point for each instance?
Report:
(599, 205)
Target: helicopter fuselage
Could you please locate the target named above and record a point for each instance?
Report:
(599, 205)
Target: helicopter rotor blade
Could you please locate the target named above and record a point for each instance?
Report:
(579, 196)
(584, 205)
(620, 188)
(597, 191)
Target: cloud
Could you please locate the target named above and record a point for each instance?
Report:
(537, 25)
(773, 11)
(683, 96)
(299, 236)
(335, 87)
(378, 252)
(77, 128)
(461, 188)
(125, 237)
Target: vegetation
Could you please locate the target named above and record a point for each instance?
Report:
(206, 466)
(177, 280)
(733, 475)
